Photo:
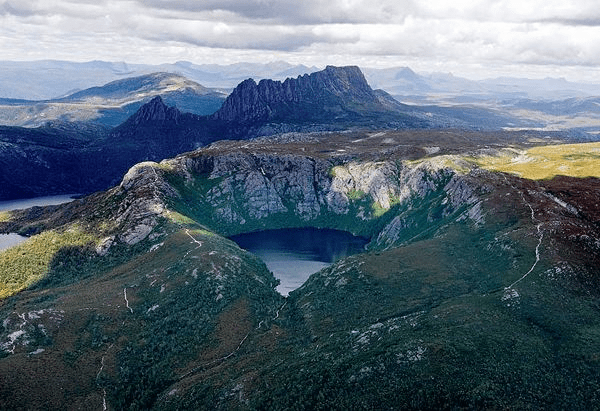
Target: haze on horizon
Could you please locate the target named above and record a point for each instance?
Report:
(534, 38)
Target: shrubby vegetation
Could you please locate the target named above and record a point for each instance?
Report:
(23, 265)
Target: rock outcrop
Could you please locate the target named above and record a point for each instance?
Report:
(335, 91)
(243, 191)
(156, 111)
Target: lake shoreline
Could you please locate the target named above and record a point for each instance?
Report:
(9, 240)
(294, 254)
(23, 203)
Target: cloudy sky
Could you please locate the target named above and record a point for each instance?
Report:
(477, 39)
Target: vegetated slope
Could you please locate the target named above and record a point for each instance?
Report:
(479, 289)
(112, 103)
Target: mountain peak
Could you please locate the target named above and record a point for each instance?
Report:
(335, 88)
(147, 84)
(156, 111)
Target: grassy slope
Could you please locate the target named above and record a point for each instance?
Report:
(25, 264)
(544, 162)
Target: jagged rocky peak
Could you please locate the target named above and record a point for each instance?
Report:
(156, 110)
(334, 86)
(342, 81)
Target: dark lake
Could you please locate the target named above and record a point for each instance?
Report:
(293, 254)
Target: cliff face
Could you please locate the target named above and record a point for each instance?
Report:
(335, 90)
(239, 191)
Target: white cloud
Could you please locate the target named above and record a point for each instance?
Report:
(531, 34)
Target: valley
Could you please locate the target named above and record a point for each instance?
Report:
(477, 289)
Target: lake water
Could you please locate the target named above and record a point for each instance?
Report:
(9, 240)
(296, 253)
(37, 201)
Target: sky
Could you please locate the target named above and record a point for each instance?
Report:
(474, 39)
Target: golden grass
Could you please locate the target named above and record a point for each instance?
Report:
(4, 216)
(23, 265)
(545, 162)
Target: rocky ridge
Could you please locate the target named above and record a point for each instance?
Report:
(242, 191)
(332, 93)
(155, 111)
(331, 99)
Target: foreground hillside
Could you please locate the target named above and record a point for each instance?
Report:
(479, 288)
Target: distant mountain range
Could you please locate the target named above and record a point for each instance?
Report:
(447, 100)
(49, 79)
(436, 87)
(114, 102)
(512, 103)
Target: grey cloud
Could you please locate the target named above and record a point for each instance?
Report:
(242, 36)
(9, 9)
(83, 9)
(304, 12)
(574, 22)
(284, 43)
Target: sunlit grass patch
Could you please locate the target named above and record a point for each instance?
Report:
(545, 162)
(355, 195)
(378, 210)
(204, 232)
(23, 265)
(4, 216)
(179, 218)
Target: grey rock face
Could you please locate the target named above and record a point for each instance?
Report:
(263, 185)
(244, 187)
(330, 88)
(143, 188)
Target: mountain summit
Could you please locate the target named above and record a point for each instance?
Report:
(336, 92)
(156, 111)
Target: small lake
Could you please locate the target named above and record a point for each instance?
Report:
(293, 254)
(37, 201)
(12, 239)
